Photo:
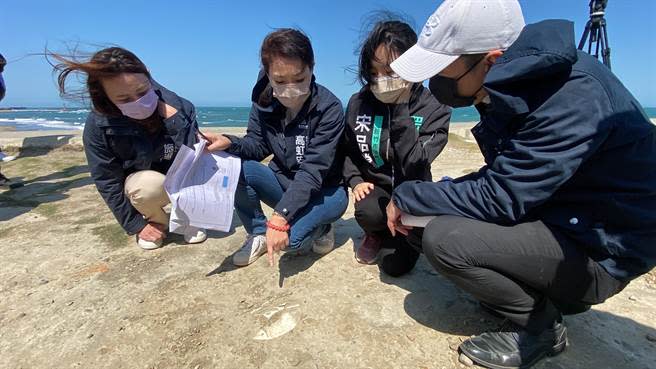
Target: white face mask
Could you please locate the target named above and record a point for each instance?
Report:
(388, 89)
(292, 95)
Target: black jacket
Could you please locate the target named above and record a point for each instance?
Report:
(117, 147)
(564, 142)
(305, 157)
(387, 142)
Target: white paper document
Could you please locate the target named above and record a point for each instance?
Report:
(201, 186)
(414, 221)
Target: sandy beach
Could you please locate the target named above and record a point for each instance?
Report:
(75, 291)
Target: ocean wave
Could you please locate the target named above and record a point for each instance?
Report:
(223, 123)
(40, 123)
(33, 110)
(79, 111)
(37, 110)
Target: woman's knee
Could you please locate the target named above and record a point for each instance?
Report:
(250, 168)
(370, 214)
(146, 186)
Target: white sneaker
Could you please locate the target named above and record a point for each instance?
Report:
(325, 243)
(194, 235)
(253, 248)
(149, 245)
(5, 158)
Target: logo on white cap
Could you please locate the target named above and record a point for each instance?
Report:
(430, 25)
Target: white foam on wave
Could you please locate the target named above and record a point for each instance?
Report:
(79, 111)
(41, 122)
(36, 110)
(222, 123)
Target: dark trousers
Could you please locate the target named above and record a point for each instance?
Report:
(523, 272)
(370, 213)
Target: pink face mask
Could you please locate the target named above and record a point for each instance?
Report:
(142, 108)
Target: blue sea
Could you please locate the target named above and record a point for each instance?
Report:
(30, 119)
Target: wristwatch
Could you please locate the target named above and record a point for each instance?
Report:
(278, 214)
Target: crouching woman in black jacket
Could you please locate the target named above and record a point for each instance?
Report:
(394, 130)
(131, 138)
(300, 123)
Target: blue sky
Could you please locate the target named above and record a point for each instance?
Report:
(207, 51)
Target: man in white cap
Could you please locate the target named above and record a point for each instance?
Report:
(563, 214)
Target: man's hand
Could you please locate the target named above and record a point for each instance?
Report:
(218, 142)
(361, 190)
(394, 220)
(153, 232)
(276, 240)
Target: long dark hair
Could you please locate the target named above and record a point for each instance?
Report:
(106, 63)
(284, 43)
(389, 30)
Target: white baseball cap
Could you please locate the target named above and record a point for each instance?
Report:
(460, 27)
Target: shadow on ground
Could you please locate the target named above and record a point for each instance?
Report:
(597, 339)
(42, 190)
(291, 264)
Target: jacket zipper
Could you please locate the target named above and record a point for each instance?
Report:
(282, 139)
(389, 134)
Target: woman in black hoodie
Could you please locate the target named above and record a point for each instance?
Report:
(394, 130)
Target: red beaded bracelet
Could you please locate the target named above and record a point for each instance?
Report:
(284, 228)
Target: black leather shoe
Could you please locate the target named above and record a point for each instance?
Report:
(513, 347)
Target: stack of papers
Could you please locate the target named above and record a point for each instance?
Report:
(201, 186)
(415, 221)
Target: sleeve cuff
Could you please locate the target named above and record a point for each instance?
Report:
(235, 147)
(285, 211)
(400, 193)
(354, 181)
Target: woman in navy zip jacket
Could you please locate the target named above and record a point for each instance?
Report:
(299, 123)
(131, 138)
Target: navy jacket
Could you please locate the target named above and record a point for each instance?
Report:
(564, 142)
(305, 157)
(117, 146)
(387, 143)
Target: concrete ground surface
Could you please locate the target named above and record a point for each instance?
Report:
(76, 292)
